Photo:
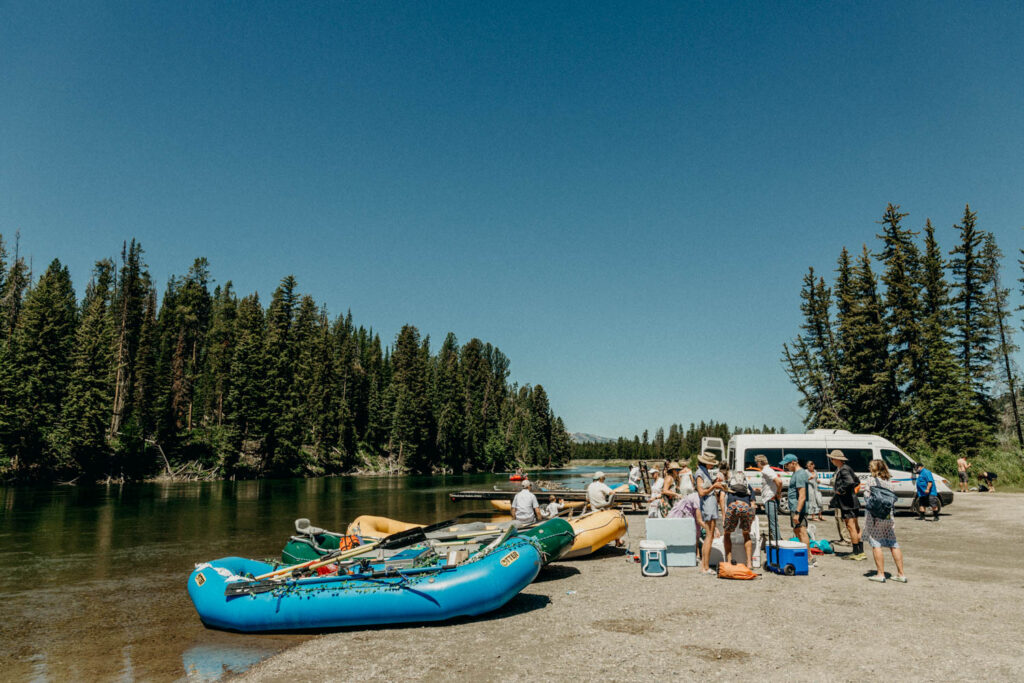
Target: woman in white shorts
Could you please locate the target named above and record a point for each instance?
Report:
(881, 533)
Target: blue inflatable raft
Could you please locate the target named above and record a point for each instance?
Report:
(480, 585)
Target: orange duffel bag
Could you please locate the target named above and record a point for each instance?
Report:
(735, 571)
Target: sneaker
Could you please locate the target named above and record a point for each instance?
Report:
(877, 578)
(899, 579)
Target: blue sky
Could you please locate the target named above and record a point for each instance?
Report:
(623, 197)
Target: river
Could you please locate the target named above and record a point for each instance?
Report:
(92, 578)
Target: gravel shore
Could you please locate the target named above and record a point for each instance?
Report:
(959, 617)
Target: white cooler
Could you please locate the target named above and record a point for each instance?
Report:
(652, 558)
(680, 538)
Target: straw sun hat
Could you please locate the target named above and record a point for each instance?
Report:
(707, 458)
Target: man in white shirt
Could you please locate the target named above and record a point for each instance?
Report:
(634, 478)
(771, 488)
(525, 508)
(598, 494)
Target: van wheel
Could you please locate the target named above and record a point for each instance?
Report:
(784, 506)
(915, 507)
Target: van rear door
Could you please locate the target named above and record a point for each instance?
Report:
(714, 445)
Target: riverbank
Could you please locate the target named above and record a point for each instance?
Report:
(598, 617)
(591, 462)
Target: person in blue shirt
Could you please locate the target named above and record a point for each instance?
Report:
(927, 493)
(797, 497)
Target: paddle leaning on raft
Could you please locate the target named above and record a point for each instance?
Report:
(554, 537)
(237, 594)
(585, 534)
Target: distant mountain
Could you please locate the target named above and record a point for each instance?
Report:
(580, 437)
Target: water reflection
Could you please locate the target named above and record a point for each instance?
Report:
(92, 578)
(210, 663)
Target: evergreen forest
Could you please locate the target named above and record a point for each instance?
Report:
(682, 443)
(204, 383)
(912, 340)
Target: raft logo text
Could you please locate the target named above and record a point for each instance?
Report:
(510, 558)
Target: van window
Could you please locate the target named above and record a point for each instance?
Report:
(774, 456)
(816, 455)
(896, 460)
(858, 458)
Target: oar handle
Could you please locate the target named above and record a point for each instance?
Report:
(327, 559)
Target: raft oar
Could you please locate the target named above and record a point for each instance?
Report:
(399, 540)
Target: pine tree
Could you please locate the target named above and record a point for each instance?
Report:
(409, 436)
(541, 427)
(902, 279)
(130, 294)
(448, 405)
(284, 437)
(974, 323)
(871, 394)
(221, 339)
(43, 340)
(939, 402)
(1005, 348)
(14, 281)
(246, 401)
(81, 438)
(812, 362)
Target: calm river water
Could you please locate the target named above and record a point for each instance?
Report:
(92, 578)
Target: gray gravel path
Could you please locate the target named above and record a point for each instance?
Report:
(959, 617)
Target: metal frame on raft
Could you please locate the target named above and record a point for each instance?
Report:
(569, 495)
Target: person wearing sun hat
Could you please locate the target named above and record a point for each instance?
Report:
(670, 488)
(525, 508)
(844, 497)
(707, 489)
(599, 495)
(798, 483)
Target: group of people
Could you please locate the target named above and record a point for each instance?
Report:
(720, 503)
(526, 508)
(879, 531)
(986, 480)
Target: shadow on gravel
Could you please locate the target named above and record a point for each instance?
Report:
(521, 604)
(553, 572)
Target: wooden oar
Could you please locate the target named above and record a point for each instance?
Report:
(398, 540)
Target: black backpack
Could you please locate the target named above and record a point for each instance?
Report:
(881, 501)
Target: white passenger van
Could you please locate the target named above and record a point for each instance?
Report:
(859, 449)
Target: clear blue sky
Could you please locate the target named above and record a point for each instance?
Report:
(621, 196)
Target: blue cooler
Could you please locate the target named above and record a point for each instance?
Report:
(786, 557)
(652, 558)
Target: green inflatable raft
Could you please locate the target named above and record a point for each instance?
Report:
(555, 537)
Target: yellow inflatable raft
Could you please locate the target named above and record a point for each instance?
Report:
(506, 505)
(595, 530)
(368, 526)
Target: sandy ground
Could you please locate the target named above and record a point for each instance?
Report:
(959, 617)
